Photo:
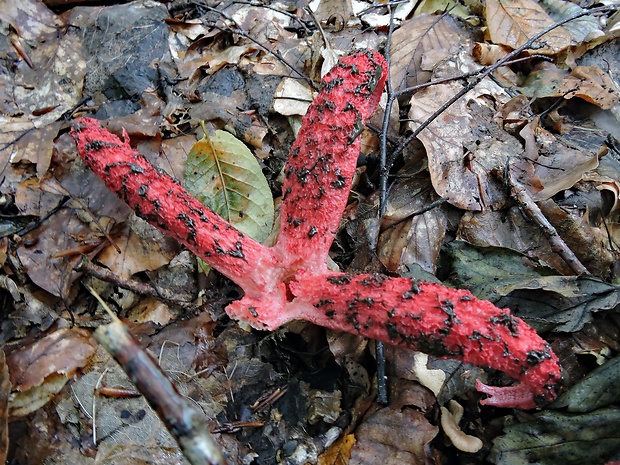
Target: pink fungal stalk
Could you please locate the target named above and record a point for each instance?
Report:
(291, 281)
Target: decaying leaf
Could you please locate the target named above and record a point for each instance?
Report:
(573, 153)
(224, 175)
(292, 98)
(585, 233)
(598, 389)
(142, 248)
(392, 437)
(411, 238)
(56, 81)
(336, 13)
(31, 19)
(463, 145)
(62, 352)
(417, 37)
(43, 254)
(480, 268)
(565, 303)
(591, 84)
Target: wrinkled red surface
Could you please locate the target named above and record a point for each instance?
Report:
(323, 159)
(291, 281)
(437, 320)
(164, 203)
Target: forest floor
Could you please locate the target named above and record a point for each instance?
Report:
(511, 191)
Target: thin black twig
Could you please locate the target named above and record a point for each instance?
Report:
(35, 224)
(382, 395)
(407, 90)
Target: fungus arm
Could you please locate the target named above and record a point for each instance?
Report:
(436, 320)
(323, 159)
(165, 204)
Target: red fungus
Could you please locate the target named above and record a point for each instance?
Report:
(323, 159)
(291, 281)
(436, 320)
(164, 203)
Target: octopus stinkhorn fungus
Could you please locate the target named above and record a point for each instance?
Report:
(291, 281)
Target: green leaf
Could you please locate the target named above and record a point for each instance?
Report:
(561, 303)
(551, 438)
(224, 175)
(598, 389)
(486, 270)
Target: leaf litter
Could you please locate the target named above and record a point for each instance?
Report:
(552, 139)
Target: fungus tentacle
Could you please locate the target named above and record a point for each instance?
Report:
(323, 159)
(164, 203)
(436, 320)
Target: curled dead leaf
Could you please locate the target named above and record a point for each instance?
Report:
(393, 437)
(62, 352)
(591, 84)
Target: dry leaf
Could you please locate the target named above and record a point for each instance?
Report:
(412, 239)
(36, 147)
(142, 248)
(514, 22)
(63, 352)
(292, 98)
(336, 13)
(487, 54)
(588, 242)
(510, 230)
(31, 19)
(591, 84)
(393, 437)
(547, 154)
(463, 145)
(43, 251)
(415, 38)
(339, 452)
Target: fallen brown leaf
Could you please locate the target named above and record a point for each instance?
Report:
(393, 437)
(142, 248)
(464, 144)
(63, 352)
(514, 22)
(339, 453)
(591, 84)
(31, 19)
(415, 38)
